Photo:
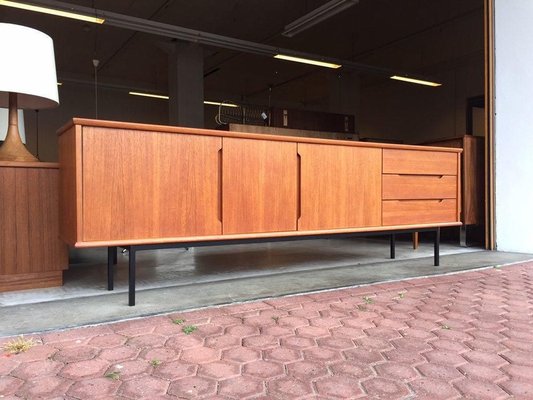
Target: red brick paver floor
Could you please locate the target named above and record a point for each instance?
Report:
(467, 335)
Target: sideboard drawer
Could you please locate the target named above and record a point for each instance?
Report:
(407, 212)
(412, 187)
(419, 162)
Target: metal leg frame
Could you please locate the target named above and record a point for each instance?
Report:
(111, 261)
(132, 250)
(436, 249)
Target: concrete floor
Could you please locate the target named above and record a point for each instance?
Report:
(172, 280)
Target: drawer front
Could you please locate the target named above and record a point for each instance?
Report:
(419, 162)
(406, 187)
(414, 212)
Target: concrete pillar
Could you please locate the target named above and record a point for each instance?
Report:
(186, 85)
(344, 94)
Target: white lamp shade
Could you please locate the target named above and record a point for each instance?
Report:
(27, 67)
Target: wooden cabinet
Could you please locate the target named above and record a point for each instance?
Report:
(31, 253)
(259, 189)
(340, 187)
(472, 175)
(420, 187)
(137, 185)
(126, 184)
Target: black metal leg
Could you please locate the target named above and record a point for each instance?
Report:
(131, 293)
(111, 252)
(393, 246)
(115, 257)
(436, 249)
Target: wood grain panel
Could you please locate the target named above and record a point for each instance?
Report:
(29, 228)
(406, 212)
(70, 185)
(404, 187)
(418, 162)
(259, 186)
(140, 185)
(340, 187)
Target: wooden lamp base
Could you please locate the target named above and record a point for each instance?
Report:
(13, 149)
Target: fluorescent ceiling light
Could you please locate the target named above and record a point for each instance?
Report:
(217, 103)
(52, 11)
(155, 96)
(59, 84)
(316, 16)
(307, 61)
(417, 81)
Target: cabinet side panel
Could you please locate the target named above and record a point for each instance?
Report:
(8, 230)
(340, 187)
(70, 185)
(145, 185)
(259, 186)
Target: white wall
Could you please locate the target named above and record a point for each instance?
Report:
(514, 125)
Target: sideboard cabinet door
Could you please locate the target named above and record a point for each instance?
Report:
(140, 185)
(340, 187)
(259, 186)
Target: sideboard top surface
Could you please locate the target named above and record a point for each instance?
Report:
(259, 136)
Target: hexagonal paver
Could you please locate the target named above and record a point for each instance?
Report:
(85, 369)
(372, 343)
(147, 340)
(481, 357)
(118, 353)
(200, 355)
(263, 369)
(36, 369)
(219, 370)
(183, 342)
(9, 385)
(298, 342)
(444, 357)
(518, 372)
(307, 370)
(242, 331)
(293, 322)
(282, 355)
(519, 357)
(241, 387)
(222, 342)
(519, 389)
(338, 386)
(159, 354)
(93, 388)
(110, 340)
(445, 373)
(385, 388)
(479, 390)
(481, 372)
(260, 342)
(130, 369)
(351, 369)
(77, 353)
(146, 386)
(363, 356)
(433, 389)
(397, 371)
(278, 331)
(325, 322)
(288, 388)
(47, 387)
(322, 354)
(174, 370)
(336, 343)
(241, 354)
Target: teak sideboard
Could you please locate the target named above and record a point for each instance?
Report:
(148, 186)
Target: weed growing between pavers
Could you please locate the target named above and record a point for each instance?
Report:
(19, 345)
(189, 329)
